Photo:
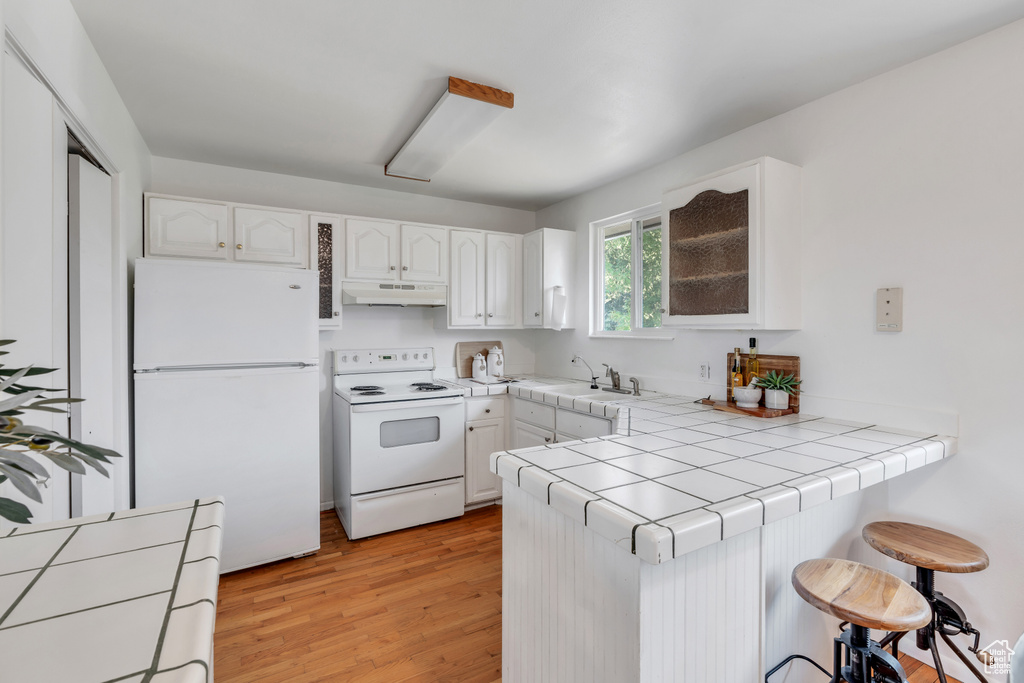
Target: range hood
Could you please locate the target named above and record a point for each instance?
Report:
(393, 294)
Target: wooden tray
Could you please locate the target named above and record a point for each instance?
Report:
(784, 364)
(759, 411)
(464, 352)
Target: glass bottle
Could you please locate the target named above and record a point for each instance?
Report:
(753, 366)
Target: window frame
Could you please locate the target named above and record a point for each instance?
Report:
(636, 218)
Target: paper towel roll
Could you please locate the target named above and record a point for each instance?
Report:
(558, 301)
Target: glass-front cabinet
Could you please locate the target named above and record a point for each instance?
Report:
(325, 241)
(731, 249)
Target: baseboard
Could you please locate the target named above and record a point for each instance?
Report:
(329, 505)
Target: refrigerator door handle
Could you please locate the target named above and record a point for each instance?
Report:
(227, 366)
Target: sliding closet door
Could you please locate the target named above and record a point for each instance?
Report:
(31, 307)
(91, 306)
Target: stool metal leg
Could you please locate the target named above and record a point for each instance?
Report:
(935, 658)
(963, 657)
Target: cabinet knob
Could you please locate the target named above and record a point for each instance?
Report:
(536, 315)
(487, 410)
(238, 246)
(490, 315)
(477, 315)
(547, 438)
(337, 313)
(222, 244)
(403, 268)
(470, 429)
(392, 267)
(663, 310)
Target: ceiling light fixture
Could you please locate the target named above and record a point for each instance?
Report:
(463, 111)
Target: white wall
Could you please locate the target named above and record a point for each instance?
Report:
(55, 43)
(911, 179)
(362, 327)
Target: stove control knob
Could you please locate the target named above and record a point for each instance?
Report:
(416, 356)
(426, 356)
(355, 359)
(405, 356)
(344, 359)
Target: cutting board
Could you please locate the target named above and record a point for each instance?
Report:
(464, 352)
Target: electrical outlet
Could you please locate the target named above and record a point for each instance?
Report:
(705, 371)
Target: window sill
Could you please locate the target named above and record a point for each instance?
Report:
(660, 336)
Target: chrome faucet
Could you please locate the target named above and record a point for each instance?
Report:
(636, 385)
(610, 372)
(593, 377)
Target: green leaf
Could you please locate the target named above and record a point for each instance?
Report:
(44, 409)
(6, 342)
(49, 401)
(31, 371)
(24, 462)
(14, 511)
(18, 400)
(97, 452)
(22, 482)
(65, 461)
(13, 378)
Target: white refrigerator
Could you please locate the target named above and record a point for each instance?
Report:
(226, 400)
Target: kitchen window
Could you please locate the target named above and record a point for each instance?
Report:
(627, 274)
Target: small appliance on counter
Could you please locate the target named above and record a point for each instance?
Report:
(479, 367)
(495, 362)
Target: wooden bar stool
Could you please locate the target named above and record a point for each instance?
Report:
(866, 598)
(931, 550)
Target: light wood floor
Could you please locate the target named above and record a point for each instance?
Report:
(422, 604)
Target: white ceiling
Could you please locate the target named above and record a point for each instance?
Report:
(331, 89)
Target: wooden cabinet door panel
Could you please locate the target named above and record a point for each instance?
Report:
(187, 229)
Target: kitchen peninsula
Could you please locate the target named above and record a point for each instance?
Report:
(665, 554)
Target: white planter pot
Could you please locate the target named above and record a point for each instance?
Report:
(776, 398)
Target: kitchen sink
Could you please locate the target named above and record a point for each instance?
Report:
(573, 390)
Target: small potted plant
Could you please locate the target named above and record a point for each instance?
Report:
(778, 388)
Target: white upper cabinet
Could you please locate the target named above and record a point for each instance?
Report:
(187, 228)
(549, 267)
(384, 251)
(271, 236)
(325, 255)
(466, 284)
(731, 246)
(371, 249)
(502, 277)
(484, 279)
(198, 229)
(424, 254)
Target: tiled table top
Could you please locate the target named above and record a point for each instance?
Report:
(685, 476)
(129, 596)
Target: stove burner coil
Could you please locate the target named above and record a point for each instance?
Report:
(429, 387)
(371, 393)
(367, 388)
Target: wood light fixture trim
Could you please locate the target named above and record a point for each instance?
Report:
(484, 93)
(451, 124)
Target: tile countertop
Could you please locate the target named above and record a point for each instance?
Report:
(128, 596)
(685, 476)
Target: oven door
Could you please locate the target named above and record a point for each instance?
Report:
(407, 442)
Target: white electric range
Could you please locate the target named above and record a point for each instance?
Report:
(399, 441)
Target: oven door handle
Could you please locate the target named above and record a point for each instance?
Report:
(407, 405)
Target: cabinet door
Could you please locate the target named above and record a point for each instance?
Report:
(424, 254)
(525, 435)
(325, 257)
(502, 280)
(483, 437)
(371, 249)
(466, 288)
(266, 236)
(176, 227)
(533, 280)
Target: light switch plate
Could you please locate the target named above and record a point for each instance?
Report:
(889, 309)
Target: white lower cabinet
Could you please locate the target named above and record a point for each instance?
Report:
(483, 437)
(526, 435)
(485, 434)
